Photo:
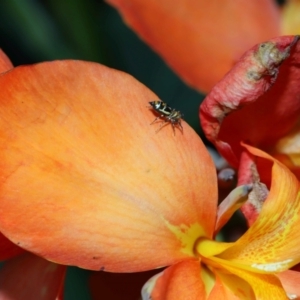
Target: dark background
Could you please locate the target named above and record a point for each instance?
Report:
(33, 31)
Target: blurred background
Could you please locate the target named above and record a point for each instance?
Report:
(33, 31)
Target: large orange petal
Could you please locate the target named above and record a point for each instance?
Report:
(257, 101)
(85, 178)
(271, 244)
(31, 277)
(5, 63)
(180, 281)
(7, 248)
(201, 39)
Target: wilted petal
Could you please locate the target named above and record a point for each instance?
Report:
(180, 281)
(257, 172)
(257, 101)
(271, 244)
(5, 63)
(85, 178)
(201, 39)
(31, 277)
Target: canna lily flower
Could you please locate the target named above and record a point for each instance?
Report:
(257, 102)
(201, 40)
(87, 181)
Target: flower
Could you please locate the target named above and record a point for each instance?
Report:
(247, 268)
(201, 40)
(87, 181)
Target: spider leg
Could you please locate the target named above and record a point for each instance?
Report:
(157, 118)
(154, 120)
(179, 123)
(173, 127)
(164, 123)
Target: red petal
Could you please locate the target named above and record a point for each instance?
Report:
(257, 101)
(256, 171)
(201, 39)
(7, 248)
(30, 277)
(5, 63)
(85, 178)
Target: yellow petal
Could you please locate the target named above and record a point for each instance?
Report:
(231, 287)
(271, 244)
(263, 285)
(290, 20)
(287, 150)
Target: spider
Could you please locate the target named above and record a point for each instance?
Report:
(167, 114)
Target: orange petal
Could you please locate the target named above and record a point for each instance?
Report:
(85, 178)
(201, 39)
(180, 281)
(290, 281)
(31, 277)
(271, 244)
(5, 63)
(231, 204)
(257, 100)
(8, 249)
